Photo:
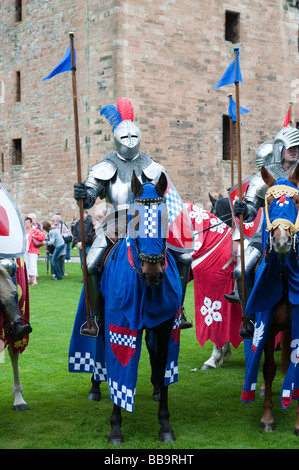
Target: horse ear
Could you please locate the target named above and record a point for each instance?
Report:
(212, 199)
(136, 186)
(294, 178)
(267, 177)
(161, 185)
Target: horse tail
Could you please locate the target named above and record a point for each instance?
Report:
(285, 343)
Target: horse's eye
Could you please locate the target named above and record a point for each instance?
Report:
(296, 202)
(270, 199)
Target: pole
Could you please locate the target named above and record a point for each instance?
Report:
(231, 144)
(240, 191)
(79, 177)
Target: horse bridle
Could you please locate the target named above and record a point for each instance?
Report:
(277, 191)
(142, 256)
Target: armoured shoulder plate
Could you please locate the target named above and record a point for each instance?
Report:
(256, 190)
(102, 171)
(153, 170)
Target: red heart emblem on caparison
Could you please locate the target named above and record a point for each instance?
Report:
(4, 223)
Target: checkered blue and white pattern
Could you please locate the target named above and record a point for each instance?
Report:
(150, 220)
(122, 339)
(83, 362)
(174, 204)
(121, 395)
(177, 322)
(171, 373)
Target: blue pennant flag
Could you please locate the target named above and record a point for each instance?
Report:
(64, 65)
(232, 109)
(232, 74)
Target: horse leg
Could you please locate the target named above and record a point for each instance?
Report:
(19, 403)
(94, 393)
(296, 430)
(151, 344)
(269, 370)
(215, 361)
(166, 433)
(116, 437)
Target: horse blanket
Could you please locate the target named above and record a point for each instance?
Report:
(266, 293)
(130, 306)
(23, 299)
(216, 319)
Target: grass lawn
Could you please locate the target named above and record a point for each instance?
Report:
(206, 411)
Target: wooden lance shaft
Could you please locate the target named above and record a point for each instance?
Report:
(79, 177)
(240, 194)
(231, 145)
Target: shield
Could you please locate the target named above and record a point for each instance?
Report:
(249, 228)
(12, 230)
(180, 234)
(123, 343)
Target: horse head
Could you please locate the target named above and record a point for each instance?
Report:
(281, 210)
(147, 228)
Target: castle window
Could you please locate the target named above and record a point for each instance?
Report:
(17, 152)
(18, 11)
(18, 86)
(232, 27)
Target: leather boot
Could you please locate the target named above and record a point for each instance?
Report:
(184, 322)
(247, 329)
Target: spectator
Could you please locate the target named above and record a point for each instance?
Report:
(55, 239)
(62, 229)
(35, 224)
(32, 251)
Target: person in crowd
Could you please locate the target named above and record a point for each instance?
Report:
(60, 226)
(32, 251)
(35, 224)
(54, 238)
(89, 233)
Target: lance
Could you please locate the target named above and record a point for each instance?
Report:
(231, 145)
(79, 178)
(240, 190)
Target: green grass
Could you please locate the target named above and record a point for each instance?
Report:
(205, 406)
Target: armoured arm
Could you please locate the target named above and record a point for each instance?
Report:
(95, 184)
(253, 200)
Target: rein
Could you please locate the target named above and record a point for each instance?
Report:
(226, 216)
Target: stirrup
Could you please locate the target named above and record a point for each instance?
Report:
(93, 331)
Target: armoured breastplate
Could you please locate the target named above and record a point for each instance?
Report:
(118, 192)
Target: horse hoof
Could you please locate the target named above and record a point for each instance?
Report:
(22, 407)
(207, 367)
(94, 396)
(166, 436)
(296, 432)
(115, 440)
(267, 427)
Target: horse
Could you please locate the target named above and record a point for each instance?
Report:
(15, 348)
(212, 272)
(141, 289)
(275, 298)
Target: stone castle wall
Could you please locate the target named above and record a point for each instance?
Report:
(165, 56)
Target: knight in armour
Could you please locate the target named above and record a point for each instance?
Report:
(280, 159)
(111, 180)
